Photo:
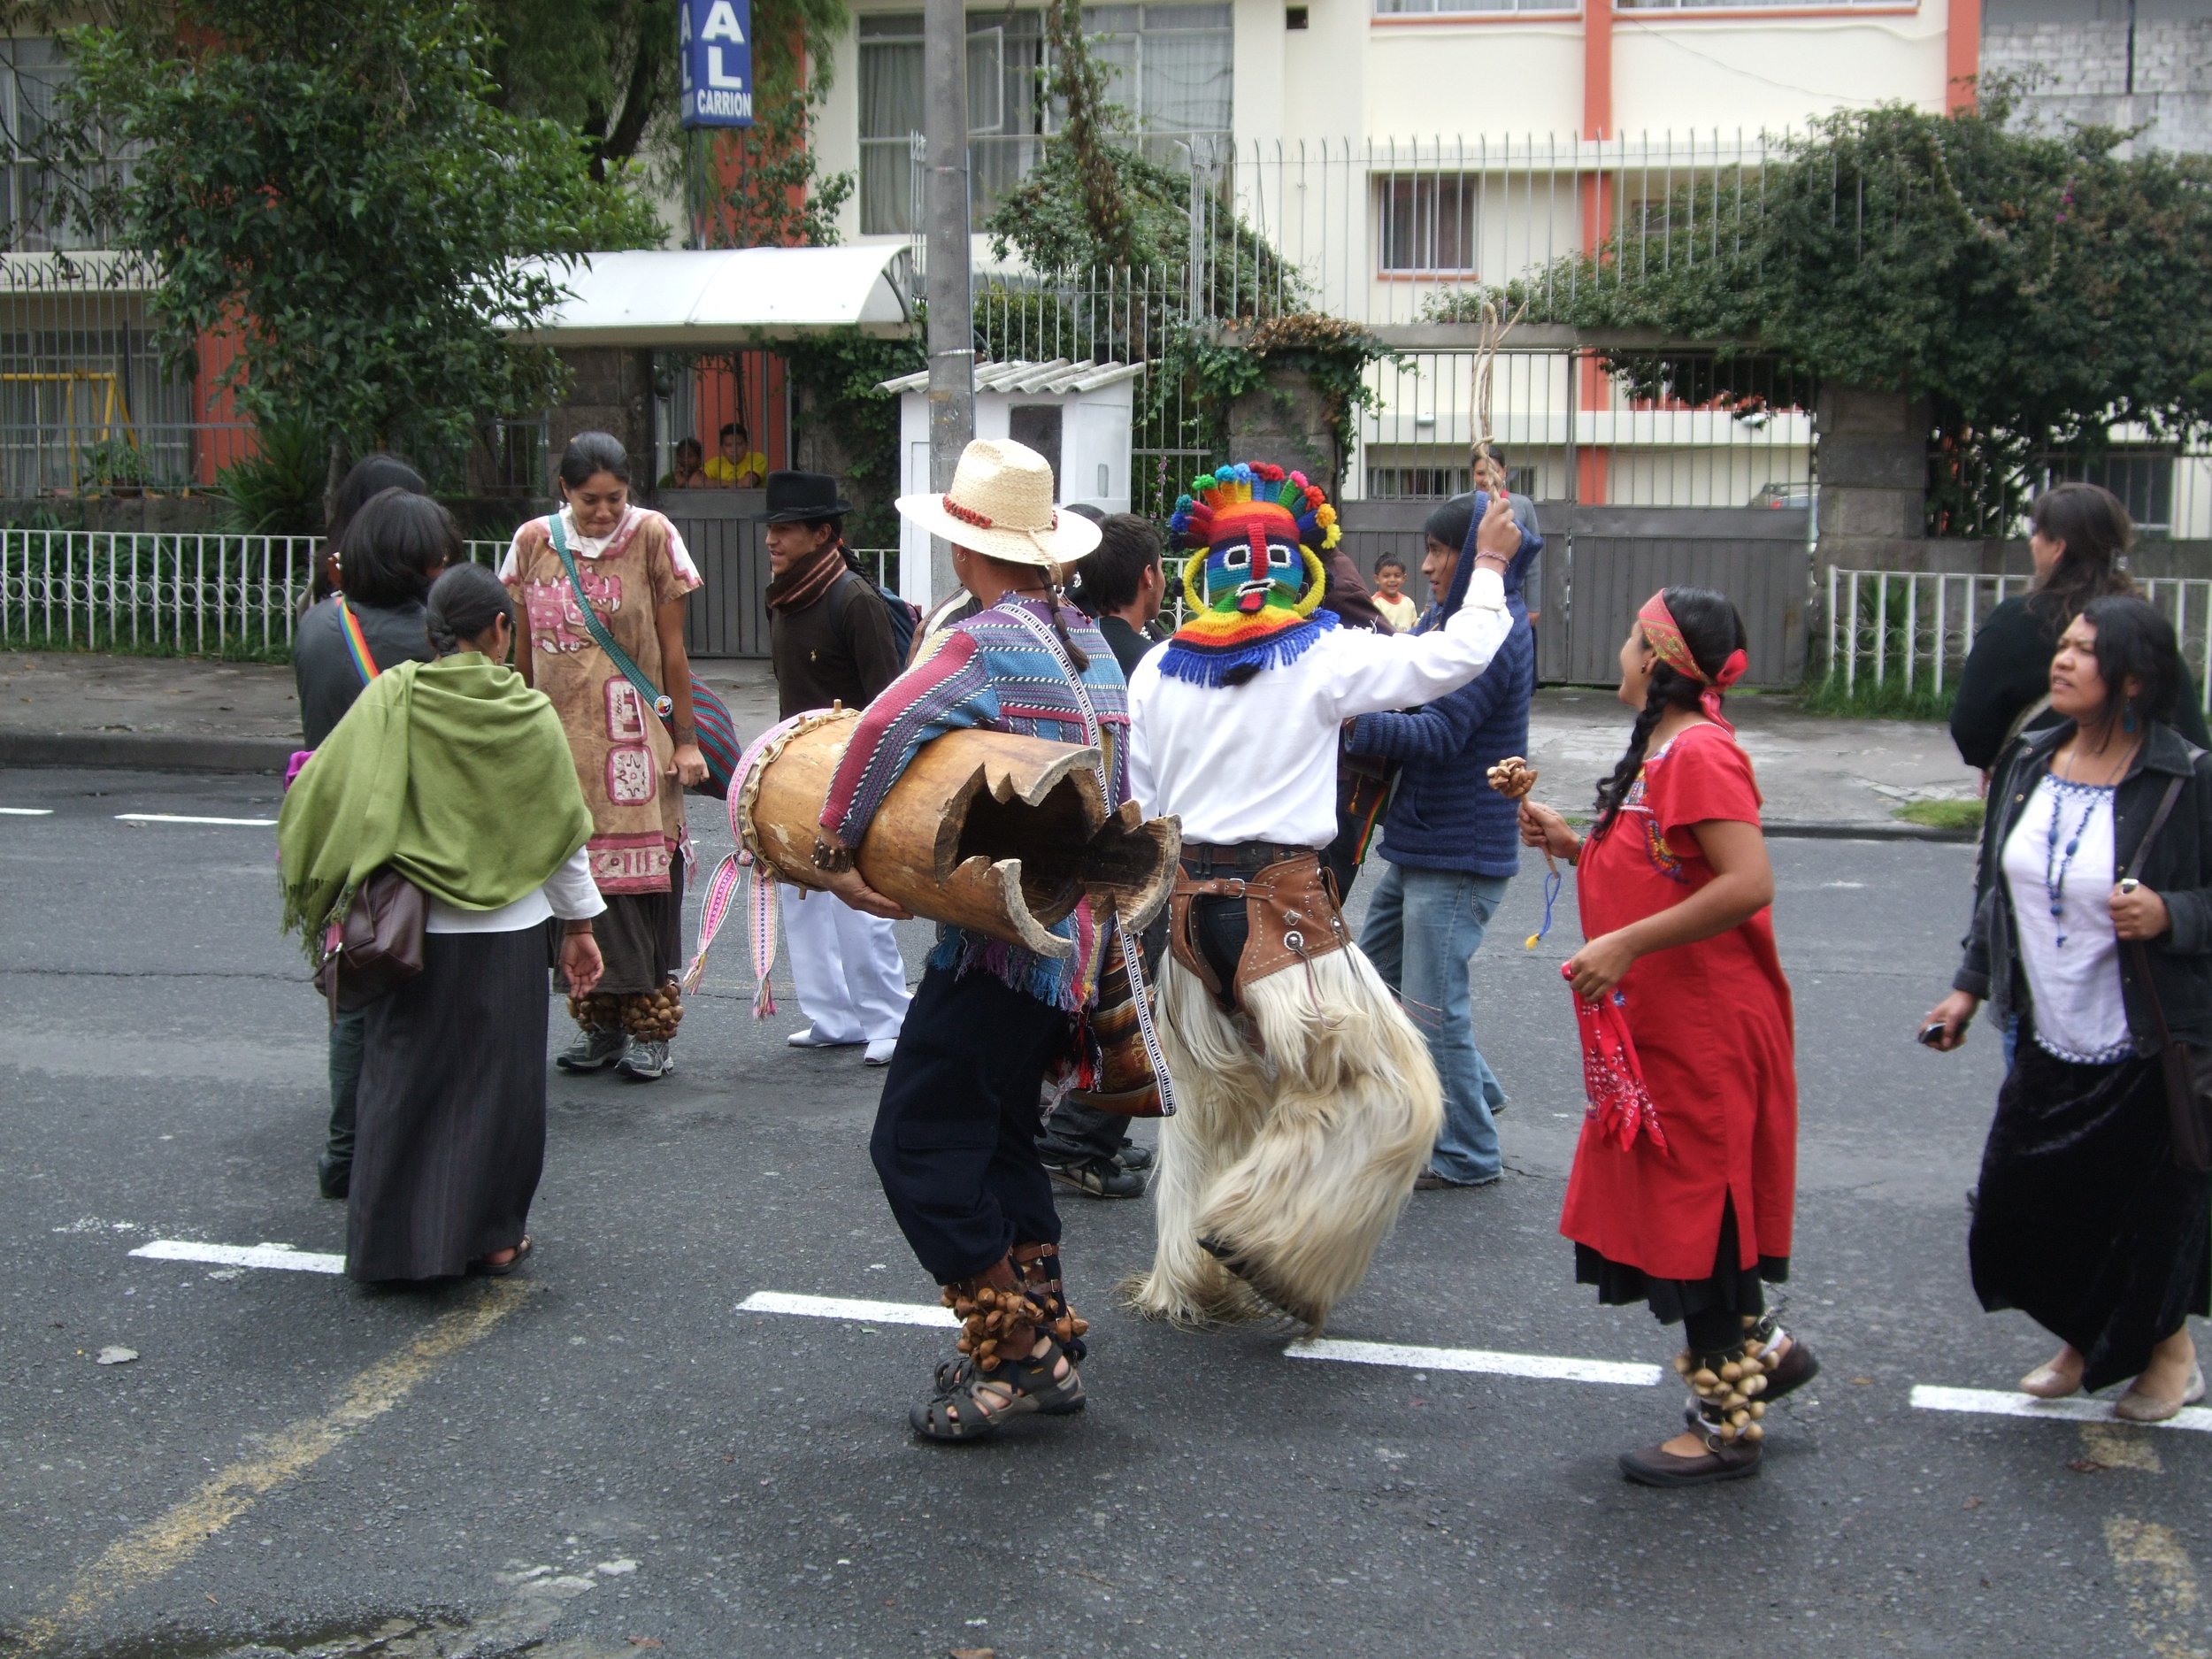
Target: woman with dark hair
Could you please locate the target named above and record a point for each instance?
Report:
(451, 1132)
(2098, 838)
(370, 476)
(2079, 537)
(1685, 1180)
(394, 544)
(605, 568)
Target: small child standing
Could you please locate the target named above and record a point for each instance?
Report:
(1390, 580)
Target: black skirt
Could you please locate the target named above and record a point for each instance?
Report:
(641, 937)
(1727, 1289)
(451, 1128)
(2081, 1220)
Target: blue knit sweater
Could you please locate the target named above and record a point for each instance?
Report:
(1444, 815)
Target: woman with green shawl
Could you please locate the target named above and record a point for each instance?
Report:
(457, 775)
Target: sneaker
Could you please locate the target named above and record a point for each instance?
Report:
(642, 1061)
(1135, 1158)
(879, 1051)
(1100, 1177)
(807, 1037)
(1429, 1181)
(592, 1051)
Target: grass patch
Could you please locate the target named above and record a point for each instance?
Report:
(1887, 702)
(234, 651)
(1943, 814)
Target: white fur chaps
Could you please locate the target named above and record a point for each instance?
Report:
(1297, 1136)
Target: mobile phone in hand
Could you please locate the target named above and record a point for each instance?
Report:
(1932, 1033)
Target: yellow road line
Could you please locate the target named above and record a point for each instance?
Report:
(166, 1543)
(2161, 1583)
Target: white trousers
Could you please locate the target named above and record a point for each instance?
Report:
(851, 980)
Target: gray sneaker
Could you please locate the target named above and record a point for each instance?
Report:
(592, 1051)
(642, 1061)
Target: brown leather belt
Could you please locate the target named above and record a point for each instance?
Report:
(1291, 910)
(1204, 857)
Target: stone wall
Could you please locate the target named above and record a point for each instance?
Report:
(2079, 68)
(611, 390)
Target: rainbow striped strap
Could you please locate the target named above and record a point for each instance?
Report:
(357, 643)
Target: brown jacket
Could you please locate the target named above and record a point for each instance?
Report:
(837, 649)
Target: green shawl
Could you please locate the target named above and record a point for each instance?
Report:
(454, 773)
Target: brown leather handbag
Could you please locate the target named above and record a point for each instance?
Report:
(377, 946)
(2188, 1066)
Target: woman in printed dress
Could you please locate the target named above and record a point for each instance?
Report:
(1685, 1174)
(636, 575)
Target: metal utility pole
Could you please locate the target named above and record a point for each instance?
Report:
(951, 302)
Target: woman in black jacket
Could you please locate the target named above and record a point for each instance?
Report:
(2082, 1218)
(2078, 536)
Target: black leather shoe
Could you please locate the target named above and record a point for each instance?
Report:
(1797, 1368)
(336, 1179)
(1655, 1466)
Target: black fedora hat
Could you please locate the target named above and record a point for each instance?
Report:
(803, 498)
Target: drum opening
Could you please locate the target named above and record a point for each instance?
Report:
(1050, 839)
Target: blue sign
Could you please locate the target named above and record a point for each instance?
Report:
(716, 45)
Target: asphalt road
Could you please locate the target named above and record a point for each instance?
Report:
(611, 1453)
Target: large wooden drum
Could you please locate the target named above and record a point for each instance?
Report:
(986, 830)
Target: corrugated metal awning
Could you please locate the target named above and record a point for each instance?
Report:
(1058, 375)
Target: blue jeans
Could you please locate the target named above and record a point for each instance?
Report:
(1423, 928)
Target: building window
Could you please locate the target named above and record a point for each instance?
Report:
(1428, 222)
(1735, 5)
(32, 77)
(1470, 8)
(2142, 479)
(1417, 483)
(1168, 71)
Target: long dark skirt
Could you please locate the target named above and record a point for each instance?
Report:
(2082, 1222)
(449, 1131)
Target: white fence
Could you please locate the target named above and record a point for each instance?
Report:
(196, 595)
(1913, 628)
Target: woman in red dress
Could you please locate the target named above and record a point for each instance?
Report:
(1685, 1174)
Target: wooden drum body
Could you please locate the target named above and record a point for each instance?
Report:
(985, 830)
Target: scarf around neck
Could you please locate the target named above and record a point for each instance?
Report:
(454, 773)
(808, 580)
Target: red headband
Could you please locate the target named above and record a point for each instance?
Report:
(1664, 635)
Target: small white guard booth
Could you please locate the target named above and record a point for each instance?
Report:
(1078, 415)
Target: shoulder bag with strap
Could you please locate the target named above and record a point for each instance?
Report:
(2188, 1066)
(715, 731)
(1123, 1007)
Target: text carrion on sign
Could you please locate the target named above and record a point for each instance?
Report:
(717, 48)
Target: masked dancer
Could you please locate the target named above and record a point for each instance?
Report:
(954, 1139)
(1685, 1174)
(1307, 1100)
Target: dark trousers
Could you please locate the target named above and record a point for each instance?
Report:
(955, 1140)
(345, 1084)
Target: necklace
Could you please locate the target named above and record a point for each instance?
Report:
(2055, 865)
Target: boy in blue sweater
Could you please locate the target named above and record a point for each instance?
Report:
(1450, 844)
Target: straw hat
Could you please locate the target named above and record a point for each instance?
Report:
(1000, 504)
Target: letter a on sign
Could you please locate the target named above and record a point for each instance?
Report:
(716, 41)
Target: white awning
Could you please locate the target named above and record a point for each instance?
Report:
(1030, 378)
(714, 298)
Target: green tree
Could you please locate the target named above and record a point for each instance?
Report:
(336, 187)
(608, 68)
(2037, 290)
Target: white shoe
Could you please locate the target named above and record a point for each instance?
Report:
(879, 1051)
(810, 1038)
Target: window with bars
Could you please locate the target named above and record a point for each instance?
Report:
(2143, 479)
(1428, 223)
(1168, 72)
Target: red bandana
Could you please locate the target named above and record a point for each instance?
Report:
(1666, 641)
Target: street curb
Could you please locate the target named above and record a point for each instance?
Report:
(1846, 830)
(145, 752)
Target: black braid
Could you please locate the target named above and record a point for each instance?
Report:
(1056, 600)
(1664, 693)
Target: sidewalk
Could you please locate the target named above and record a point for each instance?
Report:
(179, 714)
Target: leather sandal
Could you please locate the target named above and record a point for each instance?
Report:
(1655, 1466)
(501, 1270)
(973, 1404)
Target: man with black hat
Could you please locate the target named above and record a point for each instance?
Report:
(830, 641)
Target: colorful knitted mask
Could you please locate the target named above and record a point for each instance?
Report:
(1252, 587)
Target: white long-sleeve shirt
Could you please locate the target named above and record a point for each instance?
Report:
(569, 893)
(1258, 762)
